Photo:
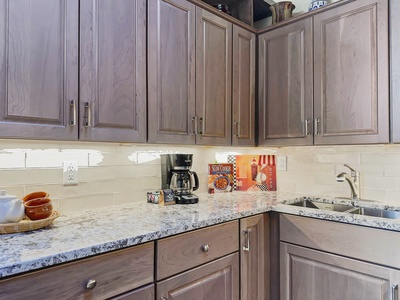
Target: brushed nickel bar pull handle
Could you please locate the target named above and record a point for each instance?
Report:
(307, 124)
(394, 291)
(72, 106)
(316, 126)
(194, 126)
(246, 240)
(236, 123)
(201, 125)
(86, 116)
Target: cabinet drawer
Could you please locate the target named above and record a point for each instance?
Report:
(369, 244)
(115, 273)
(216, 280)
(187, 250)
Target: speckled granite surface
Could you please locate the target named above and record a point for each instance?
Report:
(78, 235)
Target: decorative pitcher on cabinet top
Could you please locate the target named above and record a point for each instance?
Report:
(281, 11)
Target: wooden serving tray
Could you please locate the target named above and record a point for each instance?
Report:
(28, 225)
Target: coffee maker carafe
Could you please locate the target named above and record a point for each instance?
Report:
(176, 175)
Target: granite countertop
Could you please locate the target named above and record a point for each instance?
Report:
(78, 235)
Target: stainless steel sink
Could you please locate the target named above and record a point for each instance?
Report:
(376, 212)
(325, 206)
(365, 211)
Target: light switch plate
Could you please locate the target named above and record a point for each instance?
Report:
(281, 163)
(70, 172)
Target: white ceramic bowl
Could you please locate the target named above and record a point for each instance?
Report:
(317, 4)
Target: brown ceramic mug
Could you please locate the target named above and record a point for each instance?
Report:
(39, 208)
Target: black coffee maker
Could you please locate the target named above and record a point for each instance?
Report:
(176, 175)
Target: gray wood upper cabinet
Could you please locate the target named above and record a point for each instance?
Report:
(341, 69)
(286, 85)
(213, 79)
(171, 71)
(395, 68)
(351, 84)
(113, 70)
(189, 74)
(243, 87)
(38, 69)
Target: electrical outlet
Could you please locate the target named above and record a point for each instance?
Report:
(70, 172)
(281, 163)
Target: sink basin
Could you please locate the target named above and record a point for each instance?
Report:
(376, 212)
(321, 205)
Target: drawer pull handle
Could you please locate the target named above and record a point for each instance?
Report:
(163, 298)
(247, 241)
(72, 105)
(394, 289)
(316, 126)
(86, 116)
(205, 248)
(91, 284)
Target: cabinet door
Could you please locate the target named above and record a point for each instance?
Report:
(38, 69)
(213, 79)
(253, 258)
(395, 68)
(171, 54)
(218, 280)
(314, 275)
(351, 74)
(113, 70)
(144, 293)
(286, 85)
(243, 87)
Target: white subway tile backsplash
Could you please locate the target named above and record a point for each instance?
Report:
(12, 160)
(137, 171)
(381, 158)
(345, 158)
(54, 159)
(110, 159)
(96, 173)
(112, 173)
(29, 176)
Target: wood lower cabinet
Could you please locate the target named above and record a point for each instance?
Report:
(218, 280)
(243, 87)
(314, 275)
(254, 258)
(144, 293)
(285, 90)
(39, 69)
(329, 260)
(187, 250)
(113, 70)
(98, 277)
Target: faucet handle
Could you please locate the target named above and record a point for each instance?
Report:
(354, 173)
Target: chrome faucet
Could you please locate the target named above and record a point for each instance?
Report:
(353, 180)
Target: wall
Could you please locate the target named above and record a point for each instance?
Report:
(111, 174)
